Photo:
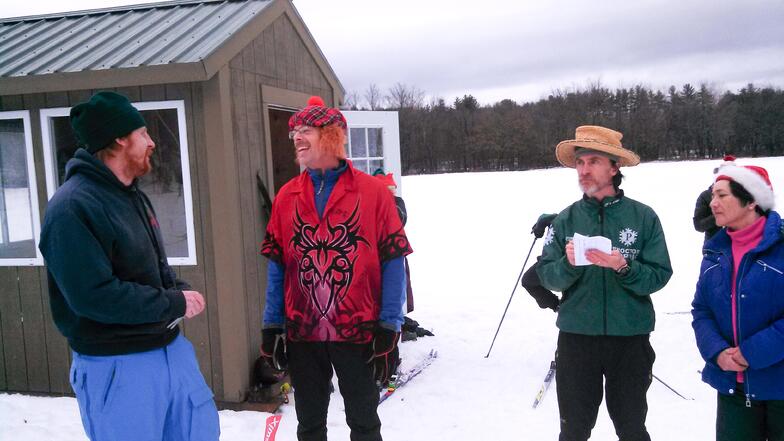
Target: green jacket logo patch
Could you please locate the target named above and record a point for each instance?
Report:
(627, 236)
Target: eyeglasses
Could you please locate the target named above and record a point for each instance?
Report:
(304, 131)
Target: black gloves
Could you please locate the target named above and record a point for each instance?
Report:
(543, 296)
(541, 224)
(410, 330)
(273, 347)
(384, 356)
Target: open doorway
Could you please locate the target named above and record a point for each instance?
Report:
(284, 165)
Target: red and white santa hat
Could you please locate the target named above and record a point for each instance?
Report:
(754, 179)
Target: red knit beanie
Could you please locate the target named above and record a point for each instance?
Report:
(317, 114)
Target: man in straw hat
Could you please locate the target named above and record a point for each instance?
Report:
(606, 315)
(336, 279)
(113, 294)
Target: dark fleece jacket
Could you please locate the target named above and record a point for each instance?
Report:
(111, 289)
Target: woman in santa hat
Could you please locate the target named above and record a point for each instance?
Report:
(738, 308)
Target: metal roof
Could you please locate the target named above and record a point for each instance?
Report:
(154, 34)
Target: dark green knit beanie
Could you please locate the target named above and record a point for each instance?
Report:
(107, 116)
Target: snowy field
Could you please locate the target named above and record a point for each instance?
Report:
(471, 233)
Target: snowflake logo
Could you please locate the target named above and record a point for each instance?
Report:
(548, 238)
(627, 236)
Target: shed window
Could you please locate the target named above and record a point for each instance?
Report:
(19, 217)
(366, 148)
(168, 184)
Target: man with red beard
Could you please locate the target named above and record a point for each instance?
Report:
(113, 294)
(605, 316)
(336, 279)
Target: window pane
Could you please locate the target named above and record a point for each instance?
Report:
(16, 214)
(358, 144)
(375, 142)
(375, 164)
(361, 165)
(64, 143)
(163, 184)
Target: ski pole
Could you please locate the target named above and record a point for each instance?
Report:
(517, 282)
(668, 387)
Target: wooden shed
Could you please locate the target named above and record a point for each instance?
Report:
(216, 81)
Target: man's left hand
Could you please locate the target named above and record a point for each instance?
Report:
(614, 261)
(194, 303)
(384, 356)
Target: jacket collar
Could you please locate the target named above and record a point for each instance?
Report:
(302, 186)
(771, 235)
(87, 164)
(606, 202)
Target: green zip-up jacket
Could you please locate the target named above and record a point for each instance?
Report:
(596, 300)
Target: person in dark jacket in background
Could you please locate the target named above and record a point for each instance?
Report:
(703, 219)
(113, 294)
(410, 330)
(530, 280)
(738, 307)
(389, 180)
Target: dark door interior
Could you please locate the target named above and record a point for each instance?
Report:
(284, 165)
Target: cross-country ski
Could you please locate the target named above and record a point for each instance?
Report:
(406, 376)
(548, 379)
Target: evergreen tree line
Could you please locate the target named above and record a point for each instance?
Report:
(679, 124)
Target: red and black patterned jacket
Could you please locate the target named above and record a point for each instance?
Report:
(332, 285)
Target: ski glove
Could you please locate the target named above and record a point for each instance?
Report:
(273, 347)
(541, 224)
(384, 356)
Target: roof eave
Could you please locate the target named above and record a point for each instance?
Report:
(105, 78)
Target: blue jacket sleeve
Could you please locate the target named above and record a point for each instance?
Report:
(393, 293)
(274, 308)
(710, 341)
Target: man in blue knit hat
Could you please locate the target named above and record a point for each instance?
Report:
(112, 293)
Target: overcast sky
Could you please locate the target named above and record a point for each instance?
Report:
(524, 49)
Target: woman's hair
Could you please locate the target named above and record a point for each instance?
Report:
(745, 197)
(333, 140)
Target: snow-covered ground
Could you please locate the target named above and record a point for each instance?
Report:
(471, 233)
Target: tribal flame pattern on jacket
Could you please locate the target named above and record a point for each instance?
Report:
(332, 276)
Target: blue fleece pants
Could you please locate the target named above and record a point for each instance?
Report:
(158, 395)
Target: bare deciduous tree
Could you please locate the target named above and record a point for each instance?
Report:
(402, 96)
(351, 101)
(373, 96)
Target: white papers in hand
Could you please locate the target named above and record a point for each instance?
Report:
(585, 243)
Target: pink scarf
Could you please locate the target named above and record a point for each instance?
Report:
(743, 241)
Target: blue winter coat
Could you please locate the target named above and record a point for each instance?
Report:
(760, 294)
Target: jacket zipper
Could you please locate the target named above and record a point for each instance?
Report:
(765, 267)
(737, 313)
(709, 268)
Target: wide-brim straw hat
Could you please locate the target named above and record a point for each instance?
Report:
(595, 138)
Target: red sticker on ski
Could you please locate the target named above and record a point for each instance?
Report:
(272, 427)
